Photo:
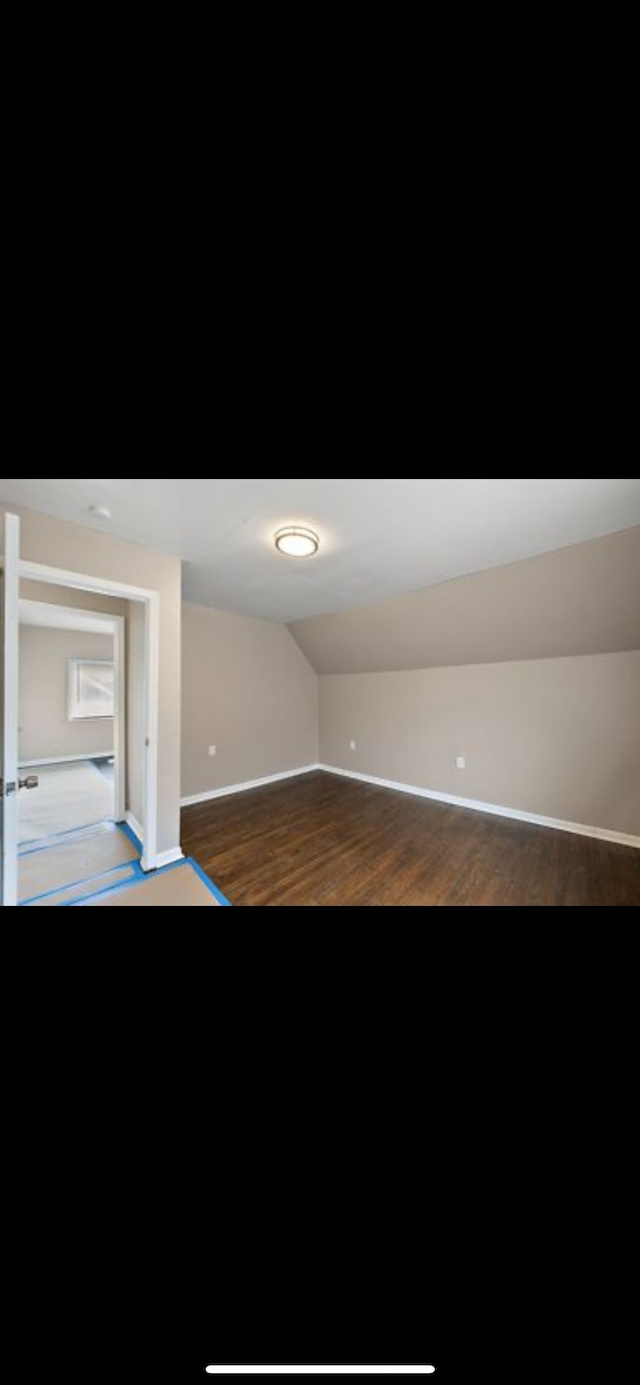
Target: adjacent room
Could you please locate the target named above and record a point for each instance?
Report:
(67, 711)
(320, 693)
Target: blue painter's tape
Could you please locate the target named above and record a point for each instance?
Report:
(138, 878)
(226, 903)
(128, 832)
(134, 879)
(189, 861)
(89, 880)
(141, 875)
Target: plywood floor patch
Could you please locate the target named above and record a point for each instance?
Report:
(57, 867)
(174, 888)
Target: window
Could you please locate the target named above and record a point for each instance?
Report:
(91, 690)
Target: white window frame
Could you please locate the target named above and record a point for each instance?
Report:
(73, 701)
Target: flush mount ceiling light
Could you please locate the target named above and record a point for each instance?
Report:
(297, 542)
(99, 512)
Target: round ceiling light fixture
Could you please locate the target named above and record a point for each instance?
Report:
(297, 542)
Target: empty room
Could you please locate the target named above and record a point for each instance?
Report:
(320, 693)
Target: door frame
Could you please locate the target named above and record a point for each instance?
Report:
(100, 586)
(10, 720)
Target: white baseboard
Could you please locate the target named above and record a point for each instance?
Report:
(169, 858)
(135, 826)
(496, 810)
(68, 759)
(243, 788)
(579, 829)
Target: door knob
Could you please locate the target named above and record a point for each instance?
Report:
(31, 782)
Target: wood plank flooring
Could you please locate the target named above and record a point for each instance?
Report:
(322, 840)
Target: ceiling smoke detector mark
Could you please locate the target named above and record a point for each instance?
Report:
(100, 512)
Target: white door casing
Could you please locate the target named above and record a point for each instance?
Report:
(9, 638)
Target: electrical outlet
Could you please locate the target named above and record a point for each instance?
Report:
(461, 762)
(213, 751)
(353, 746)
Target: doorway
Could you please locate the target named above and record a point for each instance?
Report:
(126, 846)
(72, 716)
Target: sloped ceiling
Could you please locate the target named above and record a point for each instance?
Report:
(581, 600)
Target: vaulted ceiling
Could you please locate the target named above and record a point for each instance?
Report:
(580, 600)
(378, 538)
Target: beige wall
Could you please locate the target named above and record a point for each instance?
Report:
(45, 729)
(56, 543)
(67, 596)
(582, 600)
(557, 737)
(248, 690)
(529, 671)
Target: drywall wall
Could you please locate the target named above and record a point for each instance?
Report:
(56, 543)
(45, 729)
(248, 690)
(557, 737)
(582, 600)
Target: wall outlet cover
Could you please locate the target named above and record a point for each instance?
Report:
(461, 762)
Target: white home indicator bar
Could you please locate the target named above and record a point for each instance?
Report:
(321, 1370)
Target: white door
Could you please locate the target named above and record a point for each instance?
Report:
(9, 637)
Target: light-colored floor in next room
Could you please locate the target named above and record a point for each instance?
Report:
(69, 796)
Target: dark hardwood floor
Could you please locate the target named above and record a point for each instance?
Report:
(323, 840)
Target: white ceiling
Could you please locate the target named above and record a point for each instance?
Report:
(379, 538)
(46, 617)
